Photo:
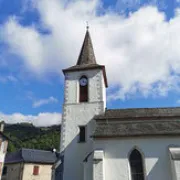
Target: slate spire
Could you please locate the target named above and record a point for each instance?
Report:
(86, 55)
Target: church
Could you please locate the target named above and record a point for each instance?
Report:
(113, 144)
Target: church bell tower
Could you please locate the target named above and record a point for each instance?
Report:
(84, 97)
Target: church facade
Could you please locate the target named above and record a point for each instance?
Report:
(113, 144)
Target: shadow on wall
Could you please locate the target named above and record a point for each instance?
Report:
(73, 150)
(161, 169)
(155, 172)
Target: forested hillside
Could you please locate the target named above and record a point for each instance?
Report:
(28, 136)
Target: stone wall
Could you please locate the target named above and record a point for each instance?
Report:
(14, 172)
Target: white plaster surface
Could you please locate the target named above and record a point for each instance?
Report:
(3, 150)
(98, 165)
(154, 151)
(177, 170)
(98, 155)
(2, 156)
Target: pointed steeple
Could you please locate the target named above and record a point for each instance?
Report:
(86, 56)
(86, 59)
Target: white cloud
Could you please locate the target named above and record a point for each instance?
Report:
(24, 42)
(9, 78)
(41, 102)
(12, 78)
(42, 119)
(141, 52)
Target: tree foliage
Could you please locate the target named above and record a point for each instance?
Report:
(29, 136)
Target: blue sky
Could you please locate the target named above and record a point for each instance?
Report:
(38, 40)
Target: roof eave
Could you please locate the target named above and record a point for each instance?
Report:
(133, 135)
(134, 118)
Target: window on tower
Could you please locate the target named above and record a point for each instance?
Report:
(136, 165)
(82, 134)
(83, 86)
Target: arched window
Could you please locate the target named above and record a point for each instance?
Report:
(83, 92)
(136, 165)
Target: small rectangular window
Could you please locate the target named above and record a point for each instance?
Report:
(36, 170)
(82, 134)
(4, 171)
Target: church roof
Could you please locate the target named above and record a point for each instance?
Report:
(137, 122)
(139, 113)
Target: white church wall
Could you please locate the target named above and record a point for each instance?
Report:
(177, 170)
(98, 165)
(173, 172)
(154, 150)
(77, 114)
(103, 90)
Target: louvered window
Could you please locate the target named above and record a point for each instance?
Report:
(82, 134)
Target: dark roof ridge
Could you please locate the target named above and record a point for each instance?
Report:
(35, 150)
(144, 108)
(139, 113)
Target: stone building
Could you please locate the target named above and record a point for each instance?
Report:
(113, 144)
(29, 164)
(3, 147)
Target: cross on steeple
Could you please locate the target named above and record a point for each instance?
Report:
(87, 25)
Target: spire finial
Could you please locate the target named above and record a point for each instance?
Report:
(87, 25)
